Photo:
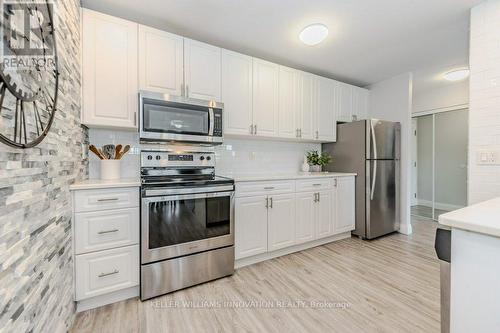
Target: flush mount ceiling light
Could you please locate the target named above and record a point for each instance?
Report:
(313, 34)
(457, 74)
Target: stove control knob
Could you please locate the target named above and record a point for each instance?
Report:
(202, 158)
(150, 157)
(158, 157)
(208, 158)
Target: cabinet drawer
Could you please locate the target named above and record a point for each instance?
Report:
(104, 199)
(246, 189)
(318, 184)
(103, 272)
(104, 230)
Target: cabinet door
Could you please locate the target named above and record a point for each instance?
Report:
(160, 61)
(307, 112)
(237, 92)
(281, 221)
(360, 100)
(109, 64)
(202, 70)
(287, 102)
(250, 226)
(305, 217)
(324, 214)
(265, 97)
(326, 122)
(345, 205)
(343, 101)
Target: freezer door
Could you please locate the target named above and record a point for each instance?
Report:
(381, 137)
(381, 198)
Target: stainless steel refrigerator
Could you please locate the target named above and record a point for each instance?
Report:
(371, 148)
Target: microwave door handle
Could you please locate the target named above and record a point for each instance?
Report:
(212, 121)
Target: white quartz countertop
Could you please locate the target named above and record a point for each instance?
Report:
(482, 218)
(91, 184)
(285, 176)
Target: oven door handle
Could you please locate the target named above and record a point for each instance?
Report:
(180, 191)
(187, 197)
(212, 121)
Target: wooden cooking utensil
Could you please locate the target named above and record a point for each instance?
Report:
(104, 156)
(118, 150)
(96, 151)
(125, 150)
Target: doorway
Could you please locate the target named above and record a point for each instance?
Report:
(439, 157)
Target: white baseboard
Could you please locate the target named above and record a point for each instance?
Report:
(295, 248)
(438, 205)
(106, 299)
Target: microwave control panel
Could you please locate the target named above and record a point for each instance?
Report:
(218, 122)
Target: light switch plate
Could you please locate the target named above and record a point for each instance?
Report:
(488, 157)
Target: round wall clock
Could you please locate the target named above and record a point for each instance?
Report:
(29, 76)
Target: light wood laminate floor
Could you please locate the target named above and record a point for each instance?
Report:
(386, 285)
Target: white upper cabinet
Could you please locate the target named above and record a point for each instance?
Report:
(237, 92)
(326, 121)
(110, 85)
(202, 70)
(343, 101)
(287, 102)
(360, 100)
(265, 97)
(307, 110)
(161, 65)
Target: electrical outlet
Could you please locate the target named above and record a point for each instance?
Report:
(488, 157)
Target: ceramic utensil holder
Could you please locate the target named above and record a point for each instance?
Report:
(110, 169)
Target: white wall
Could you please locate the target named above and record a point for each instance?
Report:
(234, 157)
(484, 119)
(441, 96)
(392, 100)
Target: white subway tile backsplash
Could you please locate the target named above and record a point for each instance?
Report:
(234, 157)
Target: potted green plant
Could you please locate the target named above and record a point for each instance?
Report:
(317, 160)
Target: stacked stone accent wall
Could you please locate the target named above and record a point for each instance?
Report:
(36, 268)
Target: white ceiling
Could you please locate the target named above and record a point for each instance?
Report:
(369, 40)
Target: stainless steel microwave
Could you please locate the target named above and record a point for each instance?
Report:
(167, 118)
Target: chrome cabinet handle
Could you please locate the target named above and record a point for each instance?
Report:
(107, 231)
(135, 118)
(107, 199)
(255, 127)
(335, 182)
(316, 184)
(108, 274)
(267, 202)
(315, 197)
(319, 197)
(271, 202)
(269, 188)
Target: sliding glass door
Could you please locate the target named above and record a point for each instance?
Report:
(440, 163)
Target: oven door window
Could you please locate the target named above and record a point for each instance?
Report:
(177, 118)
(187, 220)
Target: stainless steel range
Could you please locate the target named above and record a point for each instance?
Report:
(187, 221)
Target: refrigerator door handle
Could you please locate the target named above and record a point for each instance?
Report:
(374, 177)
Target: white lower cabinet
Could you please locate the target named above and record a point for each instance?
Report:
(282, 214)
(251, 226)
(281, 221)
(305, 223)
(345, 217)
(103, 272)
(324, 214)
(106, 245)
